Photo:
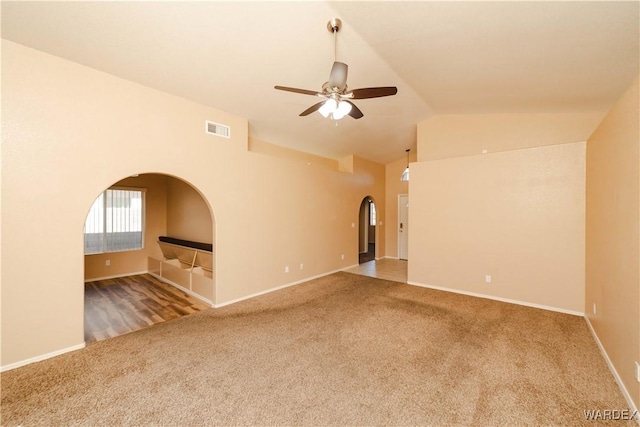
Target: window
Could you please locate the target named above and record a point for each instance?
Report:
(372, 213)
(115, 222)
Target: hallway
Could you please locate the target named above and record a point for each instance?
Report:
(386, 268)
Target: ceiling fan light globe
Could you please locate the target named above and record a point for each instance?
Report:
(325, 110)
(405, 175)
(329, 107)
(337, 115)
(344, 108)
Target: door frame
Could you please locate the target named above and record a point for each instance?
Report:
(363, 226)
(398, 224)
(370, 200)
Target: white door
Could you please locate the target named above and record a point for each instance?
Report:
(403, 226)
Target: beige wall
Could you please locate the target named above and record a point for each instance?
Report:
(393, 188)
(517, 216)
(513, 207)
(263, 147)
(62, 121)
(442, 137)
(363, 227)
(613, 237)
(188, 216)
(123, 263)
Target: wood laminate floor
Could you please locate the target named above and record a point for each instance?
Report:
(388, 269)
(114, 307)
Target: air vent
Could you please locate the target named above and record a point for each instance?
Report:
(217, 129)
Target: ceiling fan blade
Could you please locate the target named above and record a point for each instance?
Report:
(374, 92)
(293, 89)
(355, 111)
(312, 109)
(338, 76)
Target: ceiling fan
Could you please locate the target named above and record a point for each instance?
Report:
(338, 96)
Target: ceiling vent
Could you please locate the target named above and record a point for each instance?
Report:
(217, 129)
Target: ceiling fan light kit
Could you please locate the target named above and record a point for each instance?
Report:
(337, 110)
(335, 90)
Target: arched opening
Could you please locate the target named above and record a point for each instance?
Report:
(367, 230)
(149, 255)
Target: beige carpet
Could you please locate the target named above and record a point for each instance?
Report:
(340, 350)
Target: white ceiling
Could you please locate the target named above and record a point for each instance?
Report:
(445, 58)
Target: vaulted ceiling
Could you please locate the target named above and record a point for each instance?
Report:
(445, 58)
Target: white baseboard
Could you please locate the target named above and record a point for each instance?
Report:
(344, 269)
(625, 392)
(390, 257)
(277, 288)
(182, 288)
(115, 276)
(41, 357)
(495, 298)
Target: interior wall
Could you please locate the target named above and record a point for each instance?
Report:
(263, 147)
(363, 226)
(123, 263)
(613, 237)
(188, 216)
(446, 136)
(517, 216)
(62, 120)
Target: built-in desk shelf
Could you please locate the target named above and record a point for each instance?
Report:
(188, 268)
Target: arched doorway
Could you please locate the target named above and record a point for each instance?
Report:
(367, 230)
(131, 282)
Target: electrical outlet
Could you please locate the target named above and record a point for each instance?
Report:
(594, 308)
(301, 266)
(353, 225)
(638, 372)
(342, 256)
(487, 278)
(286, 269)
(107, 262)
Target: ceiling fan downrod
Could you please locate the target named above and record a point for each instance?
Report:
(334, 26)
